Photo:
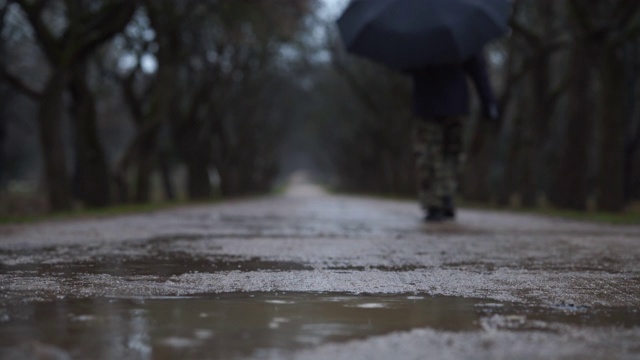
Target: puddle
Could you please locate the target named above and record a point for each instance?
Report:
(232, 326)
(161, 266)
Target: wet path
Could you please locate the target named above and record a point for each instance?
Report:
(308, 275)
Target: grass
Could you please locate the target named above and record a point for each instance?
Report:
(32, 209)
(630, 216)
(117, 210)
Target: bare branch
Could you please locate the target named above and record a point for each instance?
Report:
(632, 27)
(97, 28)
(133, 101)
(3, 12)
(578, 11)
(531, 37)
(357, 88)
(19, 84)
(47, 41)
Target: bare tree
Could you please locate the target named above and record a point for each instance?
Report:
(88, 25)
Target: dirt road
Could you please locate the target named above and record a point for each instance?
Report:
(531, 287)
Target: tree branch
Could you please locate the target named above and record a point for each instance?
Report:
(19, 85)
(358, 89)
(579, 14)
(626, 10)
(531, 37)
(48, 42)
(632, 27)
(3, 12)
(133, 101)
(97, 28)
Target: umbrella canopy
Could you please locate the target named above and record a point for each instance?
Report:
(405, 34)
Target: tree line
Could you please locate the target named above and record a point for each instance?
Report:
(125, 94)
(191, 78)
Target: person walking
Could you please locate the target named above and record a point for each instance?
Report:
(423, 36)
(441, 102)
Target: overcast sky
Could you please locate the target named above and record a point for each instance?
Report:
(332, 8)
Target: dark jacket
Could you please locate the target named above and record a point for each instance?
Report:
(442, 90)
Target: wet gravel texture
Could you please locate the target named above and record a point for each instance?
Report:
(309, 242)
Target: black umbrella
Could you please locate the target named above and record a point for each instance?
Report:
(407, 34)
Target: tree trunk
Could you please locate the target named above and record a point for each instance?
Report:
(541, 129)
(194, 144)
(632, 150)
(195, 150)
(143, 154)
(572, 188)
(50, 116)
(198, 182)
(475, 173)
(545, 101)
(91, 173)
(145, 163)
(613, 126)
(513, 160)
(229, 181)
(633, 179)
(165, 174)
(4, 100)
(528, 168)
(197, 158)
(526, 164)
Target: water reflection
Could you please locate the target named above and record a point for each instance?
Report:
(220, 327)
(238, 325)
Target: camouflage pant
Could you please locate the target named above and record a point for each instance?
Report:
(437, 147)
